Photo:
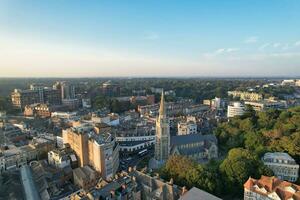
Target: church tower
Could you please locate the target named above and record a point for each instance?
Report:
(162, 145)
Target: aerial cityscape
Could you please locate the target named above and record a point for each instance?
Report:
(149, 100)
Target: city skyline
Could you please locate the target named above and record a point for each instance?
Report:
(149, 39)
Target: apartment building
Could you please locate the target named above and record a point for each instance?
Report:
(246, 96)
(235, 109)
(21, 98)
(93, 148)
(283, 165)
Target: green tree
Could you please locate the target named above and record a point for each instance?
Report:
(238, 166)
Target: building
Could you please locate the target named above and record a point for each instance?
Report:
(41, 110)
(92, 148)
(111, 119)
(162, 145)
(187, 127)
(30, 189)
(152, 187)
(71, 104)
(85, 177)
(290, 82)
(270, 188)
(283, 166)
(266, 104)
(21, 98)
(49, 182)
(246, 96)
(235, 109)
(14, 157)
(133, 185)
(195, 146)
(62, 158)
(123, 187)
(67, 90)
(110, 89)
(135, 136)
(86, 103)
(197, 194)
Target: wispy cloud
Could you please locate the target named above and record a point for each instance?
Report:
(297, 43)
(220, 52)
(264, 46)
(251, 40)
(276, 45)
(151, 36)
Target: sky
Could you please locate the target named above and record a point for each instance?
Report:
(149, 38)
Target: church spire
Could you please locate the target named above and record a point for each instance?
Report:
(162, 109)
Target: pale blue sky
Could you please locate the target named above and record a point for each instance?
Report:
(149, 38)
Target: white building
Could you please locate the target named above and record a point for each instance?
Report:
(134, 143)
(289, 82)
(267, 104)
(86, 103)
(187, 127)
(283, 165)
(235, 109)
(61, 158)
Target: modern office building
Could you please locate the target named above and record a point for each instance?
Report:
(267, 104)
(67, 90)
(110, 89)
(283, 166)
(36, 94)
(235, 109)
(162, 145)
(92, 148)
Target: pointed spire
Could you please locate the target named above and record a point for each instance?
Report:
(162, 111)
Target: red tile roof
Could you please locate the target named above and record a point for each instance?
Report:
(273, 184)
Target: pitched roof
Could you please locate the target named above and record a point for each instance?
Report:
(192, 138)
(285, 190)
(197, 194)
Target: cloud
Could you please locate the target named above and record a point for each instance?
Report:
(275, 45)
(151, 36)
(262, 47)
(251, 40)
(297, 43)
(229, 50)
(220, 51)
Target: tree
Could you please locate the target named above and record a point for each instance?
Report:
(186, 172)
(100, 102)
(238, 166)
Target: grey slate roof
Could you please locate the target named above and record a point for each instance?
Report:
(192, 138)
(197, 194)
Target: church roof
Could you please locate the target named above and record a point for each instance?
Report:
(192, 138)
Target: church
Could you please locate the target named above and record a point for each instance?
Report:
(195, 146)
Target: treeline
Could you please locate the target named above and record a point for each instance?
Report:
(261, 132)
